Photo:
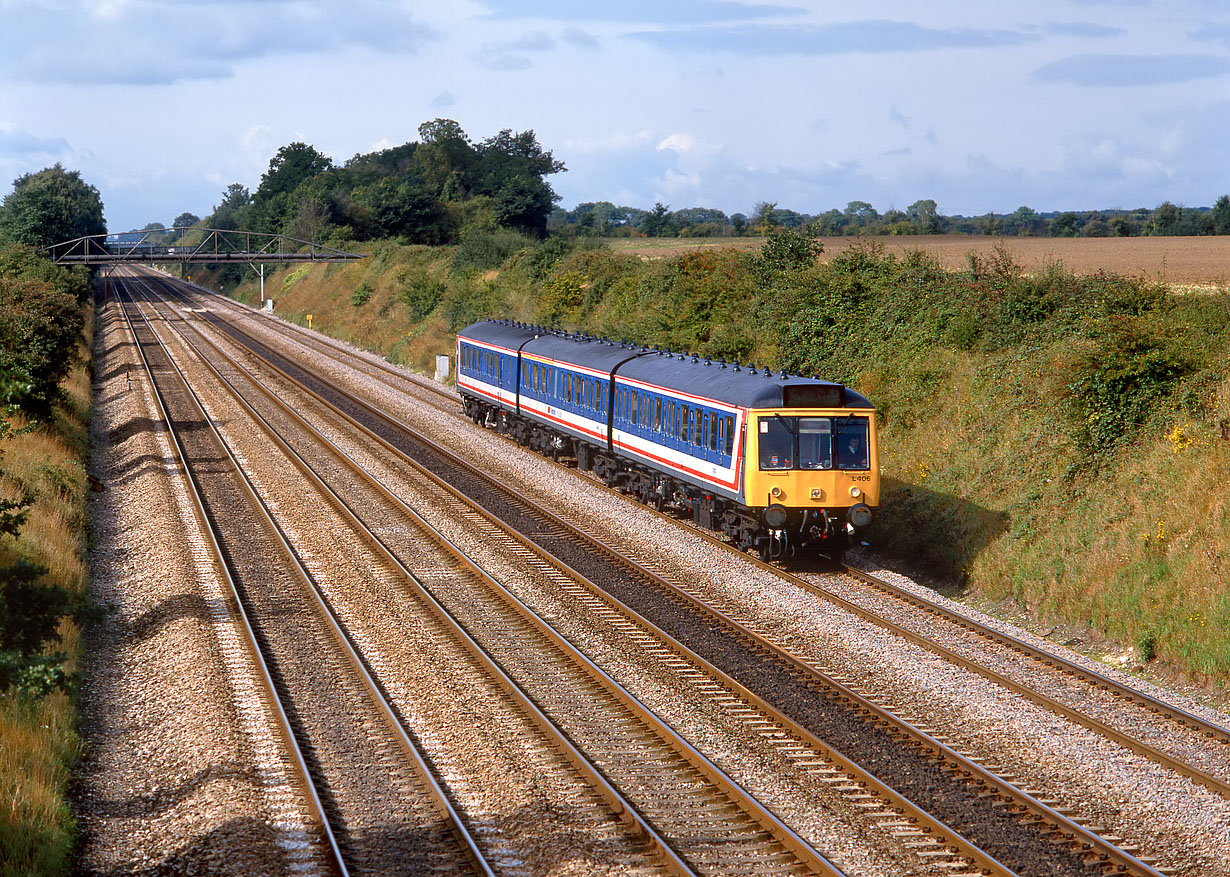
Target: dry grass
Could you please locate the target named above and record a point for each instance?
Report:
(38, 740)
(1197, 262)
(380, 324)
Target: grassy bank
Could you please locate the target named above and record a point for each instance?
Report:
(1053, 438)
(38, 740)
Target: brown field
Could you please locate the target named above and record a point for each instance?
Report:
(1183, 261)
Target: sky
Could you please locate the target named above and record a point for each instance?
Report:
(981, 107)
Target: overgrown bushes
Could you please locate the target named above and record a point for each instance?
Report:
(40, 329)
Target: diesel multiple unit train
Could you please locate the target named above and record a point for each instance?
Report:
(776, 462)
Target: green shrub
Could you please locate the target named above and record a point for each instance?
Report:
(482, 249)
(362, 294)
(420, 294)
(39, 329)
(1116, 386)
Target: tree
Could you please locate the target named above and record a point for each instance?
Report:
(657, 222)
(1064, 226)
(523, 202)
(51, 206)
(1166, 218)
(294, 165)
(186, 220)
(511, 169)
(233, 210)
(39, 326)
(860, 214)
(764, 216)
(925, 216)
(1022, 221)
(446, 159)
(1221, 215)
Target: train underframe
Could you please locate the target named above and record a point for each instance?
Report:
(819, 531)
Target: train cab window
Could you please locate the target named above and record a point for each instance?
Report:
(852, 446)
(776, 442)
(815, 443)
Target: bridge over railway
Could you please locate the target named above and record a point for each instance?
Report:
(193, 246)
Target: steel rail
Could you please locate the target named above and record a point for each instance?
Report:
(1078, 833)
(1051, 659)
(375, 691)
(1155, 705)
(331, 852)
(624, 809)
(804, 851)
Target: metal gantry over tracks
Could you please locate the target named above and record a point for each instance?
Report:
(193, 245)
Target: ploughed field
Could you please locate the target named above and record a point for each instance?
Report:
(1183, 261)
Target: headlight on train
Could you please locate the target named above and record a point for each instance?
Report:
(775, 516)
(860, 515)
(854, 491)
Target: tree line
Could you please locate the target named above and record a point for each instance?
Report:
(604, 219)
(426, 192)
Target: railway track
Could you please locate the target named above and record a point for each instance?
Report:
(1060, 829)
(1162, 751)
(702, 821)
(219, 492)
(1075, 697)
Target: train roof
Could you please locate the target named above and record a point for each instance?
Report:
(739, 385)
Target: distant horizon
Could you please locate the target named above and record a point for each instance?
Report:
(1046, 214)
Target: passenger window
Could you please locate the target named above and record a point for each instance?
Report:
(698, 434)
(728, 427)
(683, 422)
(657, 414)
(713, 431)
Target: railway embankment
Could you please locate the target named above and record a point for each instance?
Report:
(45, 384)
(1057, 443)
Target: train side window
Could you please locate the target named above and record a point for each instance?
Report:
(657, 414)
(712, 421)
(684, 423)
(698, 432)
(728, 425)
